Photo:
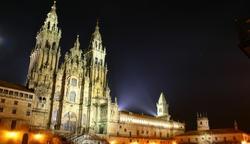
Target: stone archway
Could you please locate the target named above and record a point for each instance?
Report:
(25, 138)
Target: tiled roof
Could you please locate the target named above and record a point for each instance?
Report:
(14, 86)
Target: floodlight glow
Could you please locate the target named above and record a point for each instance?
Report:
(11, 135)
(38, 136)
(243, 142)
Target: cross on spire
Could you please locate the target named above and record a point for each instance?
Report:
(54, 5)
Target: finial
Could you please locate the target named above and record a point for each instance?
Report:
(54, 5)
(77, 38)
(77, 43)
(97, 24)
(116, 100)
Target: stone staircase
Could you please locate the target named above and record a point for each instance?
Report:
(87, 139)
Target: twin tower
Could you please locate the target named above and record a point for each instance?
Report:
(74, 95)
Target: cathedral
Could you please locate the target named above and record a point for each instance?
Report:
(73, 96)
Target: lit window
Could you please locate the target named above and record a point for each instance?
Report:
(74, 82)
(15, 102)
(72, 96)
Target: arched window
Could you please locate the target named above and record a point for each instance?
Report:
(72, 96)
(96, 60)
(47, 44)
(73, 82)
(96, 44)
(54, 45)
(160, 110)
(100, 62)
(48, 25)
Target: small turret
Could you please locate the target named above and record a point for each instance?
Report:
(235, 125)
(202, 122)
(162, 107)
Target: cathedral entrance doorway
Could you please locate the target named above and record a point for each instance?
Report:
(69, 121)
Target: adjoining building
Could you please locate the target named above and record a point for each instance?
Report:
(73, 98)
(141, 128)
(16, 105)
(205, 135)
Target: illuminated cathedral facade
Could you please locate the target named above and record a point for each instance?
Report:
(74, 96)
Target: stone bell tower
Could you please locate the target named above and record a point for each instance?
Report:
(98, 87)
(43, 65)
(162, 108)
(202, 122)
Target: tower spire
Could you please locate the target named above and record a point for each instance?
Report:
(96, 35)
(53, 8)
(162, 107)
(162, 98)
(51, 21)
(77, 43)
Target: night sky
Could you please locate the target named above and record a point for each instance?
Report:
(188, 49)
